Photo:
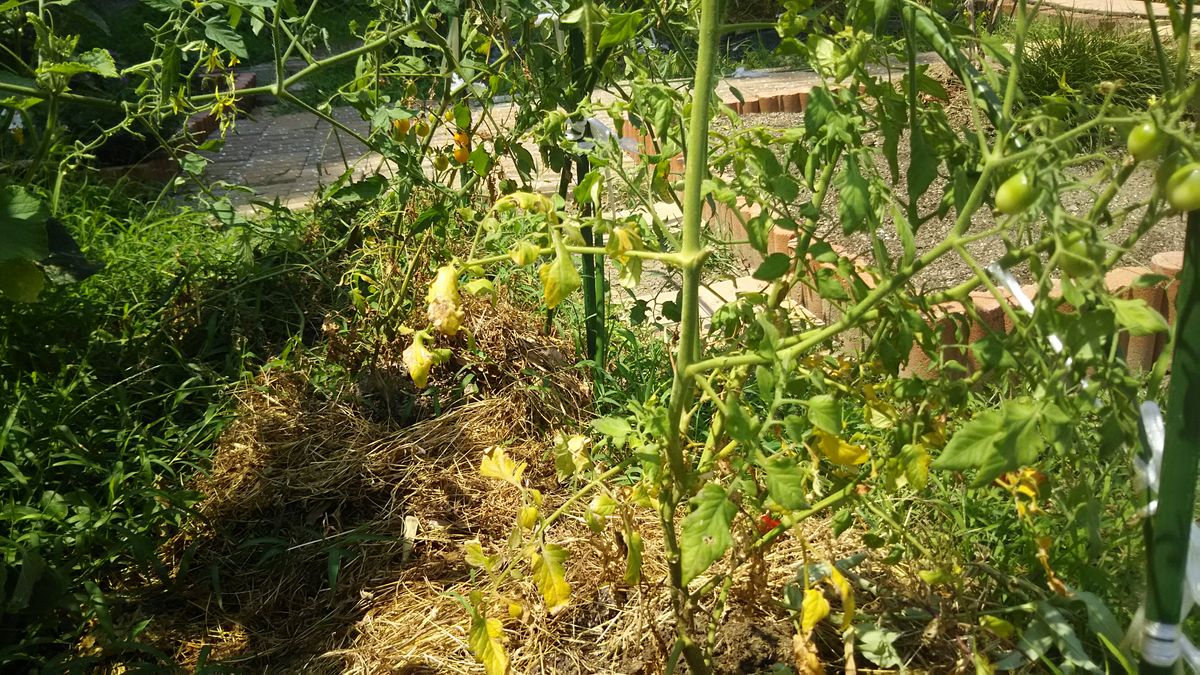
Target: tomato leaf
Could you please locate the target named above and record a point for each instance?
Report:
(1137, 317)
(705, 532)
(786, 483)
(550, 577)
(856, 211)
(773, 267)
(814, 609)
(559, 278)
(997, 441)
(620, 28)
(825, 413)
(486, 639)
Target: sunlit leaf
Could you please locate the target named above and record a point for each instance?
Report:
(838, 451)
(1137, 317)
(825, 413)
(559, 278)
(815, 608)
(786, 481)
(486, 639)
(705, 532)
(497, 464)
(550, 577)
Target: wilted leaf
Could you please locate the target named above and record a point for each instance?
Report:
(559, 278)
(475, 557)
(633, 558)
(845, 592)
(705, 532)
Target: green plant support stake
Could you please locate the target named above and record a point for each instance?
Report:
(1168, 529)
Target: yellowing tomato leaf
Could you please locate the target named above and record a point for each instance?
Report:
(550, 577)
(559, 278)
(815, 608)
(838, 451)
(497, 464)
(633, 558)
(486, 639)
(844, 590)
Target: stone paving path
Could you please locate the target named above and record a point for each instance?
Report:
(288, 156)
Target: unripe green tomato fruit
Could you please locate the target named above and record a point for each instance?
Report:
(441, 161)
(1076, 260)
(1145, 141)
(1015, 194)
(1183, 187)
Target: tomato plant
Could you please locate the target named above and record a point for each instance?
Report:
(771, 417)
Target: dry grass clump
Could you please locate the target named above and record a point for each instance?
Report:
(331, 541)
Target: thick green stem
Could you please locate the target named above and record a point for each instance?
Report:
(1168, 530)
(692, 255)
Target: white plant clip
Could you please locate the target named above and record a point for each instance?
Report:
(1146, 473)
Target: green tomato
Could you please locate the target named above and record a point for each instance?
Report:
(1076, 260)
(1146, 141)
(1183, 187)
(1015, 194)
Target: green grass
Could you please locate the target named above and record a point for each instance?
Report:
(113, 391)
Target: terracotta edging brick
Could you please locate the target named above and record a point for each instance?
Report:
(1140, 350)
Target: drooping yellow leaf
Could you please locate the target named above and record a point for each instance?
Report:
(497, 464)
(444, 302)
(418, 360)
(838, 451)
(486, 639)
(842, 586)
(551, 578)
(525, 252)
(559, 278)
(815, 608)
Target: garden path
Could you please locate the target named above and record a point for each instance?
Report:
(288, 156)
